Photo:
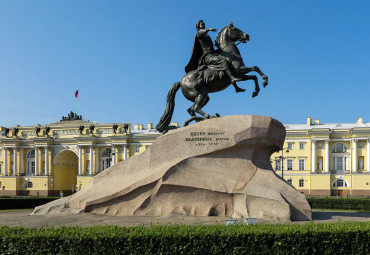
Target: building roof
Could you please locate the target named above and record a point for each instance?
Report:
(331, 126)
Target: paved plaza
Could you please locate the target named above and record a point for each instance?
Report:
(22, 218)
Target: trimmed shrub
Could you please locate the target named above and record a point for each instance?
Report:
(24, 202)
(328, 238)
(339, 203)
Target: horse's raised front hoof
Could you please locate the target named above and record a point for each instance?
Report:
(255, 93)
(265, 81)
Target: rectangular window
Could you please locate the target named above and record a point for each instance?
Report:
(29, 185)
(137, 149)
(301, 164)
(289, 164)
(301, 183)
(290, 181)
(290, 146)
(339, 163)
(277, 164)
(33, 166)
(1, 169)
(301, 146)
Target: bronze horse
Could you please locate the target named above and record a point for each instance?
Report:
(197, 84)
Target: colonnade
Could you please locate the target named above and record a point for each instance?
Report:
(14, 165)
(354, 155)
(17, 167)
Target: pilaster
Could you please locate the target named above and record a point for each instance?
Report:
(46, 161)
(313, 156)
(15, 161)
(125, 152)
(37, 166)
(354, 156)
(6, 167)
(91, 160)
(113, 155)
(79, 160)
(327, 152)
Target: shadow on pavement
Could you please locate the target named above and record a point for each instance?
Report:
(329, 215)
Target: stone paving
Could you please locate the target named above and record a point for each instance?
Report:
(22, 218)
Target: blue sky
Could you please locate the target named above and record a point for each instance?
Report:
(123, 56)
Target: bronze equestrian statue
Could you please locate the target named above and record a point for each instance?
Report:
(210, 71)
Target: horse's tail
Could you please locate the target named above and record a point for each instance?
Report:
(170, 106)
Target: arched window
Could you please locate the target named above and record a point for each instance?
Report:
(340, 157)
(339, 148)
(340, 183)
(31, 154)
(30, 162)
(106, 158)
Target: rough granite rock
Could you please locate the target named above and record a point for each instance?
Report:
(217, 167)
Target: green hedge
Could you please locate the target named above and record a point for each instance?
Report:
(24, 202)
(329, 238)
(339, 203)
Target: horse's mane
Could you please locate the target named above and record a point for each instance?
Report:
(217, 41)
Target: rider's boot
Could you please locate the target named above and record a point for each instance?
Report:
(237, 89)
(232, 77)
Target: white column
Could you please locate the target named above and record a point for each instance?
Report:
(97, 166)
(5, 161)
(125, 152)
(113, 155)
(15, 165)
(368, 156)
(46, 160)
(22, 161)
(313, 156)
(36, 161)
(354, 156)
(79, 160)
(327, 143)
(91, 160)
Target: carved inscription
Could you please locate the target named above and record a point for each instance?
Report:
(206, 138)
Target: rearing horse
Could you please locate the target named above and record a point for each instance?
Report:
(197, 84)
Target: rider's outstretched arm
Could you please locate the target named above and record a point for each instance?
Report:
(205, 31)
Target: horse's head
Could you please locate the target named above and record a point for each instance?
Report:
(230, 34)
(235, 34)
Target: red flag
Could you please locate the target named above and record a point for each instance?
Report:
(76, 93)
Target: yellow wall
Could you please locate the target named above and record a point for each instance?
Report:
(65, 177)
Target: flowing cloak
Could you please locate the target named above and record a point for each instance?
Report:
(196, 54)
(211, 58)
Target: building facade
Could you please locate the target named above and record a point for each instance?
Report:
(45, 160)
(326, 159)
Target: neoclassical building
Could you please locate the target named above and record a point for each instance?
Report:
(64, 156)
(318, 159)
(326, 159)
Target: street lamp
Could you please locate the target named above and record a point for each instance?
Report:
(282, 161)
